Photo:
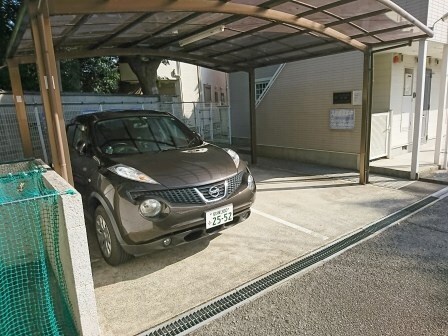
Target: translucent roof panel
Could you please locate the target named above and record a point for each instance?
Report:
(222, 35)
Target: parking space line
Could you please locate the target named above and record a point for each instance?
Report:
(291, 225)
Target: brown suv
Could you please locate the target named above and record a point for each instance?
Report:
(152, 183)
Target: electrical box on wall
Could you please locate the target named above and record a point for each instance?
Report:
(357, 97)
(342, 97)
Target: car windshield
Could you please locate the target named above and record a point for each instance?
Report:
(142, 134)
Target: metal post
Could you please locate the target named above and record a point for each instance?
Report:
(43, 83)
(442, 104)
(366, 119)
(416, 139)
(19, 101)
(49, 71)
(253, 118)
(211, 121)
(41, 135)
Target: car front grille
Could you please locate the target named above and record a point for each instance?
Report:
(195, 195)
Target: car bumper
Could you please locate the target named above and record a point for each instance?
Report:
(180, 238)
(184, 223)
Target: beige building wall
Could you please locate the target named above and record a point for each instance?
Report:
(293, 119)
(382, 82)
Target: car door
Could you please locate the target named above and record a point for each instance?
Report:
(84, 166)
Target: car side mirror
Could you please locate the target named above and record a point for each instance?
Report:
(81, 147)
(197, 135)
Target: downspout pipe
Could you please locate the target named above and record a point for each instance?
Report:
(393, 6)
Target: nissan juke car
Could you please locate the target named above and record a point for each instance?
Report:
(149, 182)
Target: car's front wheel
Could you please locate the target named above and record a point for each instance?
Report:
(110, 248)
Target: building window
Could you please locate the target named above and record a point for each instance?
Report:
(216, 97)
(207, 93)
(223, 98)
(260, 87)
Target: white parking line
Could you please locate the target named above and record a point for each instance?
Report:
(291, 225)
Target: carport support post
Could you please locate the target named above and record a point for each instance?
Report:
(19, 101)
(253, 117)
(48, 74)
(416, 138)
(366, 118)
(442, 104)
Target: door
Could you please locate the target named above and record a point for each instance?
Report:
(426, 106)
(379, 142)
(83, 164)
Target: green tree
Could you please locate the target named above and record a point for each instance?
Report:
(8, 13)
(145, 68)
(98, 75)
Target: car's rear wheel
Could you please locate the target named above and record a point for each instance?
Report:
(110, 248)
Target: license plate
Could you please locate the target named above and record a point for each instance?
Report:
(219, 216)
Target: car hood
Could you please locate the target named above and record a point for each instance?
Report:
(183, 167)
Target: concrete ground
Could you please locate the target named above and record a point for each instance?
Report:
(400, 165)
(299, 208)
(392, 284)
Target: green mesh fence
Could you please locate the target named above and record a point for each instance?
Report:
(33, 293)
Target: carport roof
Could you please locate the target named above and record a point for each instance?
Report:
(250, 33)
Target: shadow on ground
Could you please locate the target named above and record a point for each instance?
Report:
(104, 274)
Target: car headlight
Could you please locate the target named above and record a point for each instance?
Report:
(251, 182)
(150, 208)
(131, 174)
(235, 157)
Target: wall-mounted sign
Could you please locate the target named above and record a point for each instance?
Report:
(342, 97)
(357, 97)
(342, 119)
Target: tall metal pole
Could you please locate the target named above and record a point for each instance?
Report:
(416, 139)
(253, 118)
(366, 119)
(442, 104)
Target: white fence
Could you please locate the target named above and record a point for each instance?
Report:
(210, 120)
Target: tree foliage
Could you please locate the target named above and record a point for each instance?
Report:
(98, 75)
(8, 13)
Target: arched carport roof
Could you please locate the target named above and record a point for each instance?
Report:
(251, 33)
(225, 35)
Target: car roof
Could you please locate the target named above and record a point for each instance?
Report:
(104, 115)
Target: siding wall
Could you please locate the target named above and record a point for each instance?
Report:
(417, 8)
(382, 82)
(239, 105)
(239, 102)
(295, 113)
(437, 9)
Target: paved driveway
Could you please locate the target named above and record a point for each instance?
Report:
(296, 212)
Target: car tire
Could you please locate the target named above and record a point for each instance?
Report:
(110, 248)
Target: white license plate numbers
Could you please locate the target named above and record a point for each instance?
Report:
(219, 216)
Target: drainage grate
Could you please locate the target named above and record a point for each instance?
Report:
(193, 319)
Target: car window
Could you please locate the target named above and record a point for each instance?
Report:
(139, 134)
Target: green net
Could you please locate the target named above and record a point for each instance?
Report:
(33, 293)
(7, 168)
